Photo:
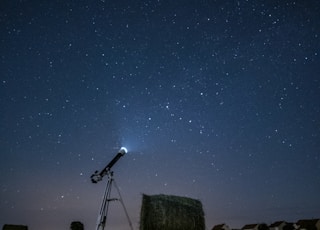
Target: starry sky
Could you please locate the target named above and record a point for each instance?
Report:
(215, 100)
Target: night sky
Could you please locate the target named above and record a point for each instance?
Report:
(215, 100)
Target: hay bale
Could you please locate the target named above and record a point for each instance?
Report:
(164, 212)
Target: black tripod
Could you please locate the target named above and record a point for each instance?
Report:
(102, 218)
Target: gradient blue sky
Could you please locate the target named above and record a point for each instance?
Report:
(215, 100)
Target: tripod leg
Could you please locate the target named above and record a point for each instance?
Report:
(124, 207)
(102, 219)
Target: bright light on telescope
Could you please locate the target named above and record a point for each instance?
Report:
(123, 150)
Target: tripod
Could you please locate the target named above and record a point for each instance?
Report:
(102, 218)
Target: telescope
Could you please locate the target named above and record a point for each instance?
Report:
(97, 176)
